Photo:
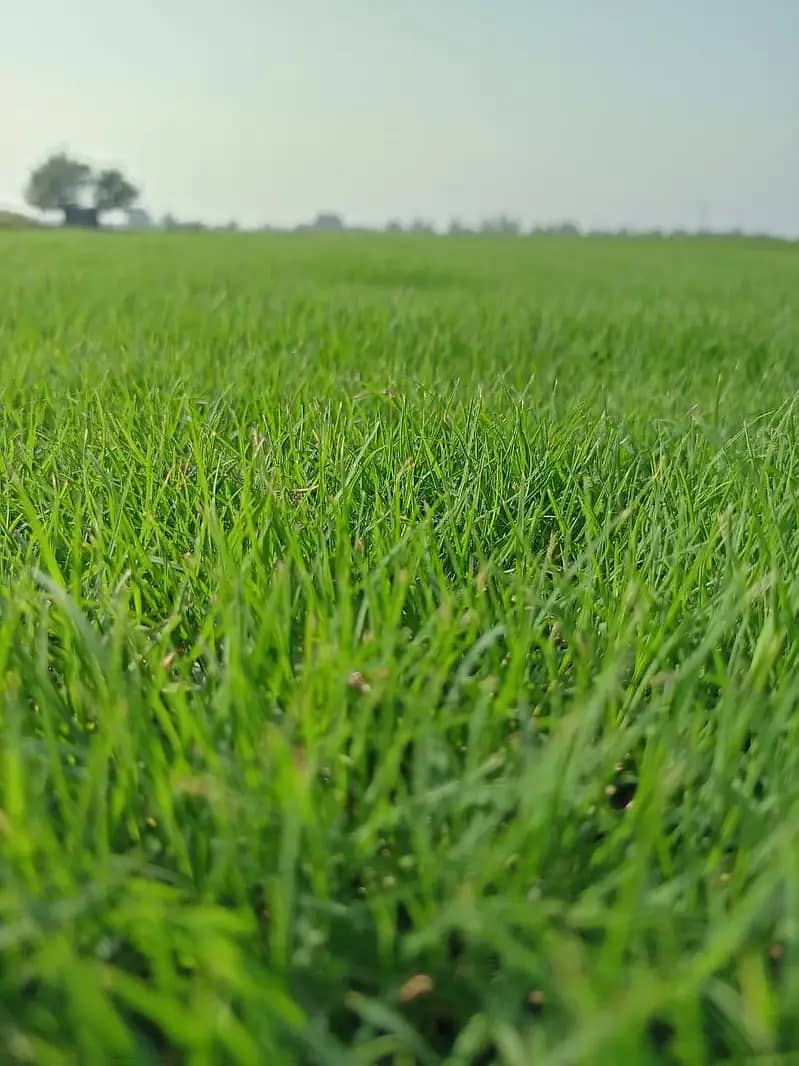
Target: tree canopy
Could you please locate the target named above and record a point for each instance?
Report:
(113, 191)
(58, 183)
(61, 183)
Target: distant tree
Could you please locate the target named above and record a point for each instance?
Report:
(138, 218)
(169, 222)
(328, 220)
(562, 229)
(59, 183)
(501, 225)
(113, 191)
(457, 229)
(393, 226)
(67, 185)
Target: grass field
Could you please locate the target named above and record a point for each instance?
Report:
(399, 650)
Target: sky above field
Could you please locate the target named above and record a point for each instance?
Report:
(662, 113)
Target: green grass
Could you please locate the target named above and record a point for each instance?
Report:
(399, 650)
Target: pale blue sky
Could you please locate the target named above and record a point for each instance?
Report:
(611, 112)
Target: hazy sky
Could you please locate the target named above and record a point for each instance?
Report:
(608, 112)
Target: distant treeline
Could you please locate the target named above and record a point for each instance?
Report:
(501, 225)
(136, 218)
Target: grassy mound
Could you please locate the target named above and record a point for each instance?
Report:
(15, 220)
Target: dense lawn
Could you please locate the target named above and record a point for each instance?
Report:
(399, 650)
